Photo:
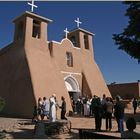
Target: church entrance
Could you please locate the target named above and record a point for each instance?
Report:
(73, 90)
(74, 95)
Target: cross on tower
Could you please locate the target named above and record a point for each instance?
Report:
(32, 5)
(78, 22)
(66, 31)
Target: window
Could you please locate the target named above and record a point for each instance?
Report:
(36, 29)
(86, 42)
(69, 59)
(73, 40)
(20, 31)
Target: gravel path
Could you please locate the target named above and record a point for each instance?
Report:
(16, 128)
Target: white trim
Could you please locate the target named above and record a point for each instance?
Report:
(83, 30)
(67, 40)
(70, 73)
(76, 48)
(53, 41)
(27, 13)
(75, 91)
(73, 79)
(56, 42)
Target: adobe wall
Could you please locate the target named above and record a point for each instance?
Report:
(15, 82)
(83, 63)
(46, 77)
(126, 90)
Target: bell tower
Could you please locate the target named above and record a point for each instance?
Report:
(82, 39)
(30, 27)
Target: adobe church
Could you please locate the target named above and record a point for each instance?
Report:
(32, 66)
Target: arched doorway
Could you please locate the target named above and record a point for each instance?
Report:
(72, 87)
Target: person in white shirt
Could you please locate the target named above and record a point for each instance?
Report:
(52, 114)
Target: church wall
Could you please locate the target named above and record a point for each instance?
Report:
(59, 55)
(83, 62)
(46, 77)
(94, 78)
(85, 87)
(15, 82)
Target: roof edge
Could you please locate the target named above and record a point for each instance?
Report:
(83, 30)
(27, 13)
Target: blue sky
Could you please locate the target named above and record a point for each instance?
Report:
(100, 17)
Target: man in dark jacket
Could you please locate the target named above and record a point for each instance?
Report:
(98, 112)
(119, 114)
(63, 108)
(135, 104)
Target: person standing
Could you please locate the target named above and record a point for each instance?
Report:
(93, 105)
(103, 101)
(108, 113)
(85, 106)
(63, 108)
(88, 103)
(119, 114)
(45, 108)
(79, 106)
(135, 104)
(52, 113)
(98, 114)
(73, 104)
(39, 106)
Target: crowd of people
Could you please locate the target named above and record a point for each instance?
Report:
(48, 108)
(100, 108)
(95, 106)
(106, 108)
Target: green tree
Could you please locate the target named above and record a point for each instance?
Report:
(129, 39)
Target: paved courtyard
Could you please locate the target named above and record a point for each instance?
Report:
(23, 128)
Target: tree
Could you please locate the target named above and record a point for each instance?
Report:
(129, 39)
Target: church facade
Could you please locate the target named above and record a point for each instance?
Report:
(33, 67)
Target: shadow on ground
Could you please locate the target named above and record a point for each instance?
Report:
(71, 135)
(22, 134)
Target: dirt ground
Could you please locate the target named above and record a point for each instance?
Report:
(16, 128)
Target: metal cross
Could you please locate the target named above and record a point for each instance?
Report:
(32, 5)
(78, 22)
(66, 31)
